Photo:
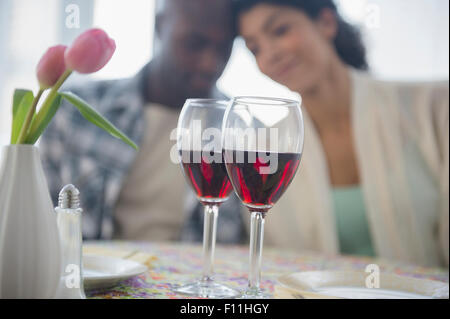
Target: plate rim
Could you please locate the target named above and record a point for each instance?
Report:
(281, 280)
(135, 273)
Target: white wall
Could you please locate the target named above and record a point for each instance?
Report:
(406, 40)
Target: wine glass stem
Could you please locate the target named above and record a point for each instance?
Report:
(209, 240)
(256, 245)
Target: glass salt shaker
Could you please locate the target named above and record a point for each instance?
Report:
(68, 216)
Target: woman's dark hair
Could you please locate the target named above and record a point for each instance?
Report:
(348, 42)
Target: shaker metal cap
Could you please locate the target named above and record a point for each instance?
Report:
(69, 197)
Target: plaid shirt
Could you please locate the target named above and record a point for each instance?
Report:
(75, 151)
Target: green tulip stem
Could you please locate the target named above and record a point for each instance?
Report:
(45, 107)
(30, 114)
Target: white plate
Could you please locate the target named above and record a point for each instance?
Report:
(101, 272)
(349, 284)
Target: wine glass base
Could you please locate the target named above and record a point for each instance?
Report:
(255, 294)
(207, 289)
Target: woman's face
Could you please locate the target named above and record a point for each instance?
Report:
(289, 47)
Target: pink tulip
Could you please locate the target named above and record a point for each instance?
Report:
(90, 52)
(51, 66)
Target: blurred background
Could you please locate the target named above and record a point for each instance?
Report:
(407, 40)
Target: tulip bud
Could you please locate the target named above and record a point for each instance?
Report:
(90, 51)
(51, 66)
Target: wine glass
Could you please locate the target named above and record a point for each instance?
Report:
(262, 145)
(200, 152)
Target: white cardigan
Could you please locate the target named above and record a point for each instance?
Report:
(402, 144)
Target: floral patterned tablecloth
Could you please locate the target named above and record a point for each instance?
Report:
(177, 263)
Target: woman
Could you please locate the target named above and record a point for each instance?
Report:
(374, 174)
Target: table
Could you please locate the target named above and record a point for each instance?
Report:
(179, 263)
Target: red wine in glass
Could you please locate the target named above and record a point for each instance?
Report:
(209, 179)
(256, 187)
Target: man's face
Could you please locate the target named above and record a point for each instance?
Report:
(195, 51)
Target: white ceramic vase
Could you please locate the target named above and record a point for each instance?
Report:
(29, 241)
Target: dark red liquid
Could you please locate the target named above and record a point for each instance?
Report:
(208, 180)
(257, 190)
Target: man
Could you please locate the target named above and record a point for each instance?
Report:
(141, 195)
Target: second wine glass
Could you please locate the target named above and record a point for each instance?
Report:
(263, 144)
(200, 151)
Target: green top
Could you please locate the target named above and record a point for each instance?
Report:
(351, 221)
